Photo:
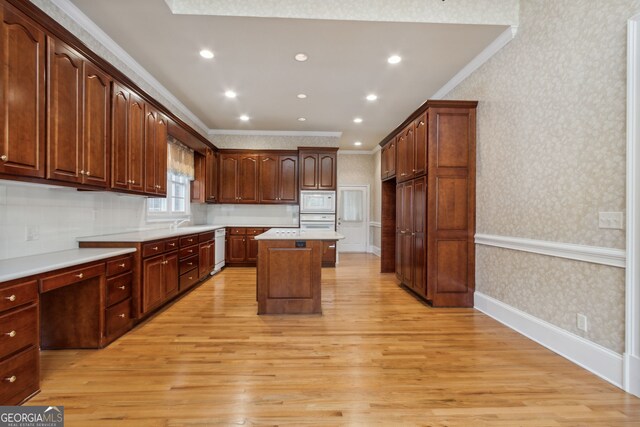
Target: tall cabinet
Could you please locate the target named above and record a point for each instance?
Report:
(429, 204)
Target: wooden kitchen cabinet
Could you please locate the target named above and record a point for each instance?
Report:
(22, 95)
(238, 178)
(79, 113)
(127, 155)
(160, 280)
(278, 179)
(211, 177)
(388, 160)
(329, 253)
(155, 152)
(228, 192)
(237, 248)
(318, 168)
(242, 247)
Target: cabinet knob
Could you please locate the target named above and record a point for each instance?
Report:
(10, 298)
(88, 173)
(11, 334)
(122, 287)
(189, 263)
(4, 158)
(121, 265)
(190, 251)
(172, 244)
(165, 262)
(155, 248)
(11, 379)
(332, 247)
(121, 315)
(82, 172)
(80, 275)
(190, 277)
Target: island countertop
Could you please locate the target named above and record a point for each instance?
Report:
(299, 234)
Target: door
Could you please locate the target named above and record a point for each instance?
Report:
(420, 146)
(161, 132)
(407, 238)
(419, 244)
(211, 174)
(327, 171)
(119, 152)
(308, 171)
(97, 124)
(237, 247)
(252, 249)
(170, 275)
(353, 218)
(150, 150)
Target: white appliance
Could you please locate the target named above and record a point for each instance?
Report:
(318, 221)
(317, 202)
(219, 249)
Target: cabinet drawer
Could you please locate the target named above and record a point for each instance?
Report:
(151, 249)
(119, 265)
(118, 288)
(188, 279)
(238, 230)
(19, 376)
(16, 295)
(188, 251)
(205, 237)
(189, 240)
(118, 317)
(171, 244)
(70, 277)
(254, 231)
(18, 330)
(188, 264)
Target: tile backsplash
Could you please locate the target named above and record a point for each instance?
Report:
(268, 215)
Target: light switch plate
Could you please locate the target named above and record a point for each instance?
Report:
(612, 220)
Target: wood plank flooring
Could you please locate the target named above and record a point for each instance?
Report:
(377, 356)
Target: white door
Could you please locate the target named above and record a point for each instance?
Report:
(353, 218)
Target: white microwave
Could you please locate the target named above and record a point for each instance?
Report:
(317, 202)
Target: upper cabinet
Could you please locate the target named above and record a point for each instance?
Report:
(279, 179)
(22, 95)
(410, 152)
(238, 178)
(79, 106)
(211, 177)
(318, 168)
(127, 158)
(155, 151)
(388, 159)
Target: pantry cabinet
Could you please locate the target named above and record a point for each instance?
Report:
(22, 95)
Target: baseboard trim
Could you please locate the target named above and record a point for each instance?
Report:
(593, 357)
(632, 370)
(593, 254)
(374, 250)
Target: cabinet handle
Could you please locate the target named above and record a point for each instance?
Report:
(190, 251)
(11, 379)
(10, 298)
(189, 240)
(413, 234)
(172, 244)
(332, 247)
(80, 275)
(121, 265)
(11, 334)
(121, 315)
(155, 248)
(4, 158)
(122, 287)
(190, 277)
(165, 262)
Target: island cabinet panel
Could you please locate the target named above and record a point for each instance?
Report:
(318, 168)
(22, 95)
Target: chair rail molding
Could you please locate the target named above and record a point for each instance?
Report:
(593, 254)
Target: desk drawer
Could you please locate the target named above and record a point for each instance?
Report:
(118, 288)
(188, 279)
(18, 330)
(188, 264)
(19, 376)
(188, 251)
(189, 240)
(171, 244)
(119, 317)
(16, 295)
(118, 266)
(205, 237)
(70, 277)
(238, 230)
(151, 249)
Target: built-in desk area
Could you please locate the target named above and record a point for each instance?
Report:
(289, 270)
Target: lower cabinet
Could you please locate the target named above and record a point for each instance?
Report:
(328, 254)
(207, 258)
(242, 247)
(159, 280)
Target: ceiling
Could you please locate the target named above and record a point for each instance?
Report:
(255, 58)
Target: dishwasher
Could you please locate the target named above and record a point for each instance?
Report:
(219, 249)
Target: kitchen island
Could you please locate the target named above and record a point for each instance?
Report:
(289, 270)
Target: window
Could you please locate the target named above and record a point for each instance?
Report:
(176, 205)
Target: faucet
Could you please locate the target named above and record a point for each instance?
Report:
(177, 223)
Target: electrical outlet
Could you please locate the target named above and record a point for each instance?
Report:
(610, 220)
(33, 233)
(581, 320)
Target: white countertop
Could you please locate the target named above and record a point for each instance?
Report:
(16, 268)
(298, 234)
(147, 235)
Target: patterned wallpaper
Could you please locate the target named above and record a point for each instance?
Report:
(358, 169)
(551, 155)
(269, 142)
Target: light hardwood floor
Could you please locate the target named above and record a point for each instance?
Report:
(377, 356)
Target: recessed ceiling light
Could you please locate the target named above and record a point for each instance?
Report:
(357, 120)
(301, 96)
(301, 57)
(206, 54)
(358, 143)
(394, 59)
(230, 94)
(244, 118)
(372, 97)
(302, 119)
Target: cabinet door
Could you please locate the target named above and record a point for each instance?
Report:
(418, 233)
(399, 229)
(252, 249)
(203, 259)
(211, 177)
(150, 150)
(119, 134)
(420, 146)
(407, 239)
(135, 142)
(22, 96)
(228, 178)
(269, 184)
(248, 178)
(170, 275)
(97, 122)
(64, 154)
(153, 285)
(288, 179)
(161, 132)
(327, 171)
(391, 160)
(384, 170)
(329, 253)
(401, 157)
(308, 171)
(409, 135)
(237, 248)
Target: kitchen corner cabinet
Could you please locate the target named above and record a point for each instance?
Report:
(278, 179)
(318, 168)
(79, 104)
(155, 152)
(22, 95)
(238, 178)
(127, 159)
